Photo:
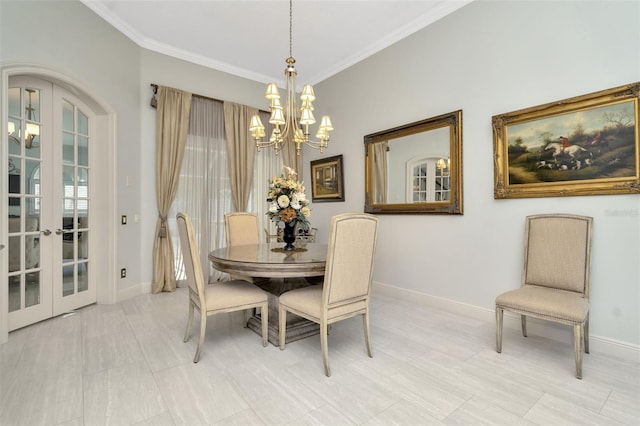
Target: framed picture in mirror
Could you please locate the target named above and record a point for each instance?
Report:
(327, 180)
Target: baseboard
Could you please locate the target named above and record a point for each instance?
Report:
(133, 291)
(597, 344)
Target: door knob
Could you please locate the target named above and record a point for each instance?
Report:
(46, 232)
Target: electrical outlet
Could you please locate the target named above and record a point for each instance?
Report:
(123, 219)
(123, 273)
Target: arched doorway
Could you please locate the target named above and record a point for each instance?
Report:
(58, 198)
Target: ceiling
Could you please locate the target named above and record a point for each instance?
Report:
(251, 38)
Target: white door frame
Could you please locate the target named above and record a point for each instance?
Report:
(106, 141)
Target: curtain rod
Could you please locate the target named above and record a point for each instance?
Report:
(155, 92)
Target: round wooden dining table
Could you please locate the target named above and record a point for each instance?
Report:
(281, 271)
(270, 260)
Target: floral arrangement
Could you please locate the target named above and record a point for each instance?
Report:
(288, 202)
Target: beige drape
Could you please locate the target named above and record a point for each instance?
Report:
(172, 123)
(240, 152)
(380, 151)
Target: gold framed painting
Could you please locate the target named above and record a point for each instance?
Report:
(327, 180)
(586, 145)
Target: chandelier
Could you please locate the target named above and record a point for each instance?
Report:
(290, 122)
(32, 129)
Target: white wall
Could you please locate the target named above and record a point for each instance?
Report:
(491, 57)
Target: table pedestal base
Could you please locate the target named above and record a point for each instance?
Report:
(297, 327)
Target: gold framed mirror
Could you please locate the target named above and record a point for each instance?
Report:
(415, 168)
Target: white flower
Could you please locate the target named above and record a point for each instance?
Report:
(289, 172)
(283, 201)
(273, 207)
(306, 211)
(295, 204)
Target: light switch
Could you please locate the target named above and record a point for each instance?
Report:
(123, 219)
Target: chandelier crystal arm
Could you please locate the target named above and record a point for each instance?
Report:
(290, 123)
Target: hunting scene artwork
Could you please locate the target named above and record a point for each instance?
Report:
(592, 144)
(569, 148)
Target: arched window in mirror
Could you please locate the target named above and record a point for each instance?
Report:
(428, 180)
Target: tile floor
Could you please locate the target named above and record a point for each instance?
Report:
(126, 364)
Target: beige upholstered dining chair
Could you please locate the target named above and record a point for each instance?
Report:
(347, 281)
(242, 228)
(555, 278)
(226, 296)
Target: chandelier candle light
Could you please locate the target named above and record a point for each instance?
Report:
(290, 122)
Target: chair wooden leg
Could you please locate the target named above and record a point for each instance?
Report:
(246, 314)
(585, 332)
(203, 331)
(264, 318)
(282, 326)
(499, 316)
(187, 332)
(324, 337)
(367, 337)
(523, 321)
(577, 346)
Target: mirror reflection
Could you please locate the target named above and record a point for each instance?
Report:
(415, 168)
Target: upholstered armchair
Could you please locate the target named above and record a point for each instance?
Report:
(225, 296)
(555, 278)
(347, 281)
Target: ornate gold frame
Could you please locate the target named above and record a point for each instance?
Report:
(604, 163)
(331, 188)
(420, 129)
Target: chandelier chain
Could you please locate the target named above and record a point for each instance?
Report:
(290, 28)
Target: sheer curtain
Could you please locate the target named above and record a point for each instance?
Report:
(266, 164)
(204, 189)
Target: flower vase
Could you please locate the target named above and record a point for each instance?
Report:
(289, 235)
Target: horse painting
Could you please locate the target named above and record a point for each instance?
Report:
(573, 151)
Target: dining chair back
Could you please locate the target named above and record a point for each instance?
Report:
(347, 281)
(226, 296)
(241, 228)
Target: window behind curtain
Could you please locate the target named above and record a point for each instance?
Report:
(266, 165)
(204, 191)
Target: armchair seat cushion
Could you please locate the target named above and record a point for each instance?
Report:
(309, 301)
(232, 294)
(547, 303)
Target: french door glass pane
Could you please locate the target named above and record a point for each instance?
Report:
(67, 117)
(15, 253)
(83, 124)
(83, 151)
(32, 289)
(14, 293)
(67, 147)
(83, 276)
(14, 101)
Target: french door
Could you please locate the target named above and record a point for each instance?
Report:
(49, 205)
